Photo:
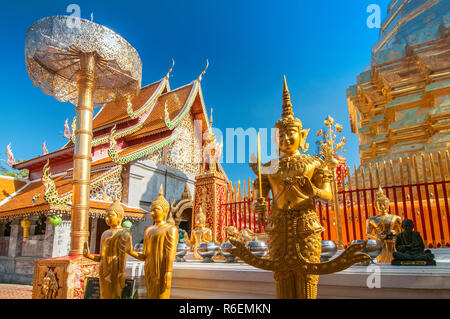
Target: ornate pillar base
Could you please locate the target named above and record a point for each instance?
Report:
(62, 277)
(210, 193)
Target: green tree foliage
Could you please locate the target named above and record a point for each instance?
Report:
(8, 171)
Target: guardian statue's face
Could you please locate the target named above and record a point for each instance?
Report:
(290, 140)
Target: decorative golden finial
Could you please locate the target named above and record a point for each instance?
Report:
(211, 118)
(161, 201)
(170, 70)
(204, 70)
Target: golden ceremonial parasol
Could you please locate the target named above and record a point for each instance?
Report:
(87, 64)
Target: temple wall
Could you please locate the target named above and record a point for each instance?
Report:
(17, 265)
(146, 176)
(32, 247)
(55, 168)
(4, 245)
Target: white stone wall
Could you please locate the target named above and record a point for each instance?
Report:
(146, 176)
(61, 239)
(33, 246)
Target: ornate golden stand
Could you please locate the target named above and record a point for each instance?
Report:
(106, 68)
(62, 277)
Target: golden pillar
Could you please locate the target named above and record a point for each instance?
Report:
(82, 155)
(88, 65)
(337, 212)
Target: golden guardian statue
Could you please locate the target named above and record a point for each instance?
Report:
(114, 245)
(159, 251)
(294, 229)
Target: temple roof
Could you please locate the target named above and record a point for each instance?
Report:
(31, 198)
(142, 125)
(10, 185)
(146, 118)
(114, 112)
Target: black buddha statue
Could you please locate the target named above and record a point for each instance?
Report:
(410, 248)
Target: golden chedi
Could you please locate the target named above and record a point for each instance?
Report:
(200, 234)
(114, 245)
(294, 229)
(384, 227)
(159, 251)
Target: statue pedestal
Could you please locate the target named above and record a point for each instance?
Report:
(70, 273)
(413, 263)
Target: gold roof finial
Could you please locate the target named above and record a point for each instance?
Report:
(204, 70)
(170, 70)
(211, 118)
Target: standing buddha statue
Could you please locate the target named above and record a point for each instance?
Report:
(200, 234)
(159, 251)
(114, 245)
(294, 229)
(384, 227)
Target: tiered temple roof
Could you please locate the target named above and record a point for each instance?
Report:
(123, 131)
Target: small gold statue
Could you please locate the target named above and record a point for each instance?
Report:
(159, 251)
(49, 289)
(294, 229)
(114, 245)
(384, 227)
(200, 234)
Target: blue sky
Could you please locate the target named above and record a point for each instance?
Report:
(321, 46)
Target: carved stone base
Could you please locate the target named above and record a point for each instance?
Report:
(62, 277)
(413, 263)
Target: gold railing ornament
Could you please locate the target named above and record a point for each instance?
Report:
(329, 149)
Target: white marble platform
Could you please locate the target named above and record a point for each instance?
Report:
(220, 280)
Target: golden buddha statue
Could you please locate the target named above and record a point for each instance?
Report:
(384, 227)
(294, 229)
(159, 251)
(114, 245)
(200, 234)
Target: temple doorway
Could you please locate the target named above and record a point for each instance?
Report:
(186, 221)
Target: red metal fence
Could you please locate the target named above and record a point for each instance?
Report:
(417, 188)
